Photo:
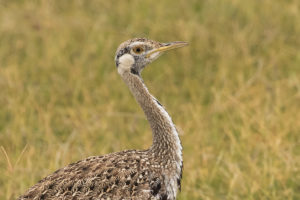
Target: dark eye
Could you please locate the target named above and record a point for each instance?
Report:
(138, 49)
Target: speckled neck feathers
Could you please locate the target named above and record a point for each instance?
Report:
(166, 144)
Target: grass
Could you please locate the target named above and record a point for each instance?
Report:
(234, 92)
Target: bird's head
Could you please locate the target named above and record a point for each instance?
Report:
(133, 55)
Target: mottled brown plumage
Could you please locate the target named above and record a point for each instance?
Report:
(154, 173)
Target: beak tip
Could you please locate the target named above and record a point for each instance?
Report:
(185, 43)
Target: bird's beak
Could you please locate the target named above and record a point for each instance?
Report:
(167, 46)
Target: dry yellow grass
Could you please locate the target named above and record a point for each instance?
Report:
(234, 92)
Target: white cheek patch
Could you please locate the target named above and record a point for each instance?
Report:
(125, 63)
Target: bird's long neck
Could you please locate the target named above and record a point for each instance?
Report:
(166, 143)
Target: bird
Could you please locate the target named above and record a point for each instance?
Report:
(154, 173)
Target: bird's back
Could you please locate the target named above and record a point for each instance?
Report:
(122, 175)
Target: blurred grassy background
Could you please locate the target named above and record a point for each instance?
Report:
(233, 92)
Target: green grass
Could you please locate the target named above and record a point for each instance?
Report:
(234, 92)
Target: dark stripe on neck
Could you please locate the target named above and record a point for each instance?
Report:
(133, 71)
(158, 102)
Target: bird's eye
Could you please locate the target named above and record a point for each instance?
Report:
(138, 50)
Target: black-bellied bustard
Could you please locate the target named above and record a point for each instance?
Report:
(154, 173)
